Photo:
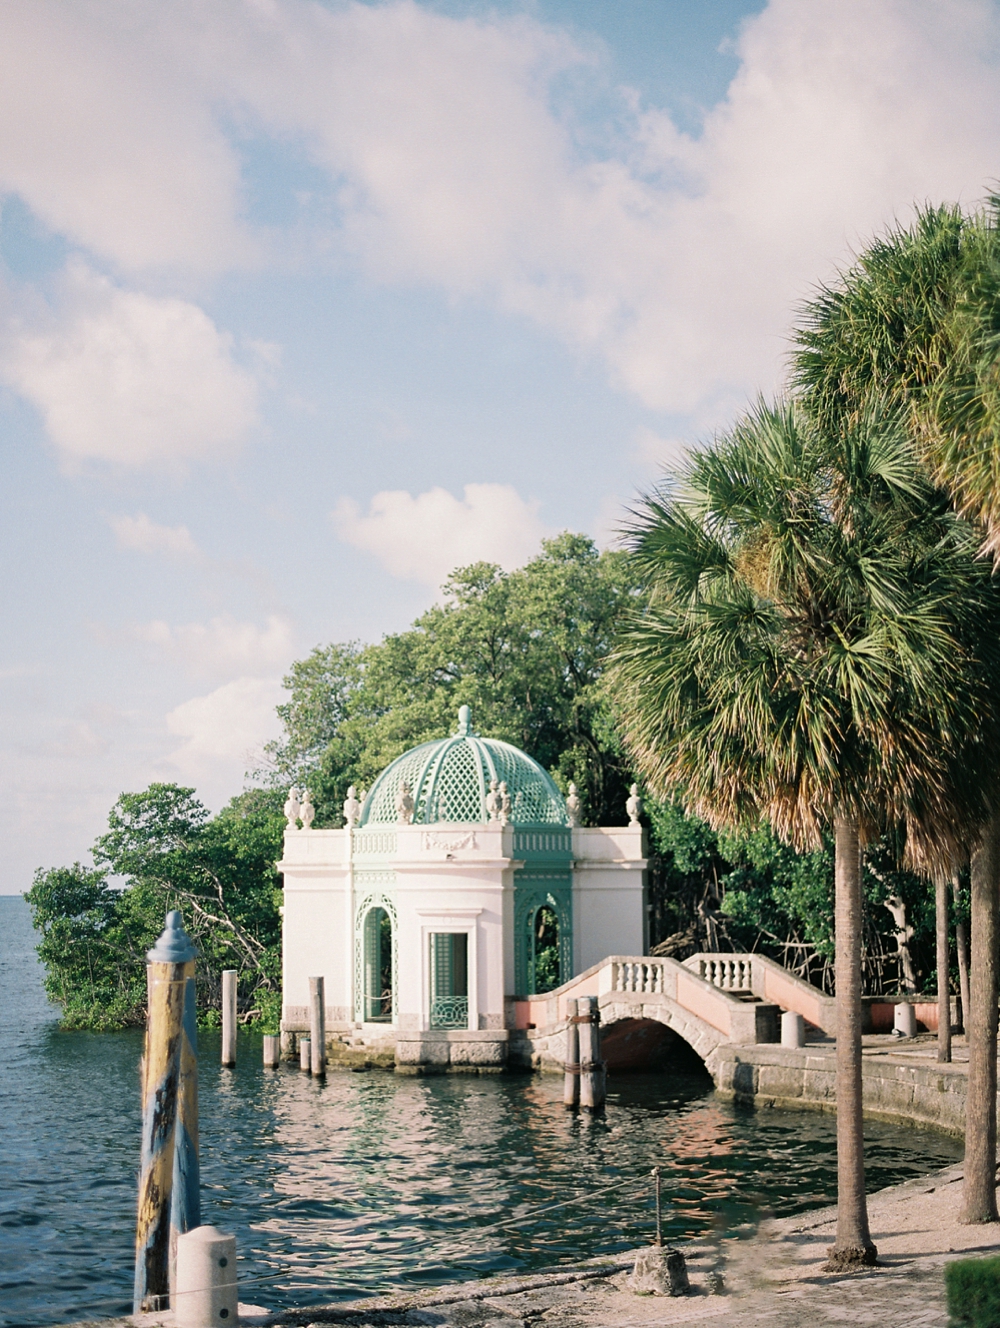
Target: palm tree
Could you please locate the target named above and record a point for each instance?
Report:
(807, 657)
(913, 329)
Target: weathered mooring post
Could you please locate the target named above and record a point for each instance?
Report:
(185, 1194)
(229, 1016)
(592, 1089)
(170, 966)
(317, 1026)
(571, 1076)
(305, 1054)
(272, 1051)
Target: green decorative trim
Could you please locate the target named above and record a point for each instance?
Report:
(534, 888)
(450, 1012)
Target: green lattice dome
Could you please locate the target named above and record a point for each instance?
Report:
(449, 780)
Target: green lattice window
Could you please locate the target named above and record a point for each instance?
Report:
(449, 979)
(378, 967)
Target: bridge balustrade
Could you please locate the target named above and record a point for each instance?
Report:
(728, 972)
(638, 975)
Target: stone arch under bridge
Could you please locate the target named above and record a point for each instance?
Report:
(642, 1035)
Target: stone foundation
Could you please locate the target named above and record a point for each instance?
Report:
(469, 1051)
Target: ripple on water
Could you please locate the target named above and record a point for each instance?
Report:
(369, 1182)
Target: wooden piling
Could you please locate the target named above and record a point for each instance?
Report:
(170, 966)
(229, 1016)
(317, 1026)
(185, 1194)
(592, 1089)
(272, 1051)
(305, 1054)
(571, 1069)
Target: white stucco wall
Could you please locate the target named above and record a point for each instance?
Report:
(316, 920)
(609, 896)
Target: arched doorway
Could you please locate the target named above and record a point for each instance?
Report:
(544, 964)
(378, 941)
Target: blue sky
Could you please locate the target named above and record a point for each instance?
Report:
(303, 304)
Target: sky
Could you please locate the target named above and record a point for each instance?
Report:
(304, 304)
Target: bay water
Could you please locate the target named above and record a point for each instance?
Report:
(368, 1181)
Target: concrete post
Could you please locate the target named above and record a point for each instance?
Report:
(793, 1029)
(207, 1295)
(305, 1055)
(185, 1197)
(229, 1016)
(571, 1076)
(592, 1085)
(170, 965)
(905, 1019)
(272, 1052)
(317, 1025)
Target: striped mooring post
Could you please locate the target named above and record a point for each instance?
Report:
(185, 1194)
(170, 981)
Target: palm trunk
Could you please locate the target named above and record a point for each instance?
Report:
(943, 969)
(979, 1195)
(853, 1245)
(962, 951)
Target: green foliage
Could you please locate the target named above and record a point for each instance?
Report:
(525, 649)
(169, 853)
(92, 944)
(820, 640)
(973, 1289)
(912, 329)
(763, 896)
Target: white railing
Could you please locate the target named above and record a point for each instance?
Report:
(729, 974)
(642, 975)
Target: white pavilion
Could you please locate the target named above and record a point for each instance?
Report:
(462, 884)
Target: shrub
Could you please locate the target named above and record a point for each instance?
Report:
(973, 1287)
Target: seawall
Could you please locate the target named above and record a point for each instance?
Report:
(896, 1087)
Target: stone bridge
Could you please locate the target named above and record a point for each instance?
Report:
(710, 1002)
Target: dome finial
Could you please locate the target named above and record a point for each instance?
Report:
(464, 721)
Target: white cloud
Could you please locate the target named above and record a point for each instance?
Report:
(145, 536)
(126, 377)
(222, 729)
(224, 646)
(675, 258)
(654, 451)
(109, 139)
(423, 538)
